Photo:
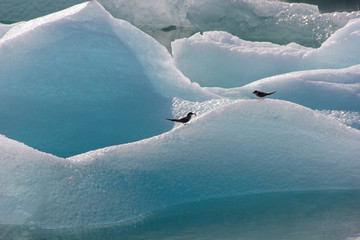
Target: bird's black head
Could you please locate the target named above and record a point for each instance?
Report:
(191, 113)
(256, 91)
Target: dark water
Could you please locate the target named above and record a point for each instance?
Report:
(330, 215)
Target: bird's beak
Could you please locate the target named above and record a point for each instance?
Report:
(195, 114)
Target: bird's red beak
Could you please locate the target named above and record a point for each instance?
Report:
(194, 114)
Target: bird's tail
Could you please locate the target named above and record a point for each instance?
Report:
(174, 120)
(271, 93)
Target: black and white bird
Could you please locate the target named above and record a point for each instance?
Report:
(183, 120)
(260, 94)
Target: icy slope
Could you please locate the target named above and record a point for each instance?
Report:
(4, 28)
(334, 89)
(223, 60)
(246, 146)
(78, 80)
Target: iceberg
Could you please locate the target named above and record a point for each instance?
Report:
(84, 143)
(263, 20)
(76, 89)
(4, 28)
(256, 20)
(266, 146)
(223, 60)
(333, 89)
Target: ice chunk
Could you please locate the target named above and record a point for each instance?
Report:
(223, 60)
(243, 146)
(78, 80)
(262, 20)
(323, 89)
(349, 118)
(4, 28)
(256, 20)
(353, 237)
(155, 13)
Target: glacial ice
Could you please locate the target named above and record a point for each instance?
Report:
(4, 28)
(83, 73)
(80, 75)
(245, 146)
(263, 20)
(330, 89)
(223, 60)
(255, 20)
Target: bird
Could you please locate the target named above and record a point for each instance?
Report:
(260, 94)
(183, 120)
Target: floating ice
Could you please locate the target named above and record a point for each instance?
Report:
(255, 20)
(323, 89)
(223, 60)
(4, 28)
(263, 20)
(349, 118)
(245, 146)
(353, 237)
(155, 13)
(78, 80)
